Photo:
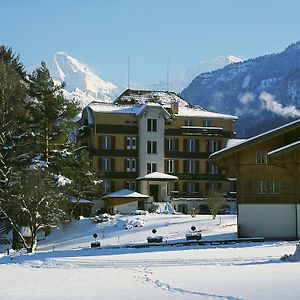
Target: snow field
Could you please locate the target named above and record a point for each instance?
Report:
(74, 271)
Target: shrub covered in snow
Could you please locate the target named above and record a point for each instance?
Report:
(103, 218)
(139, 212)
(134, 223)
(293, 257)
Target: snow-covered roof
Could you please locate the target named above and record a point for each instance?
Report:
(284, 149)
(200, 112)
(158, 176)
(233, 142)
(257, 138)
(143, 96)
(81, 200)
(125, 194)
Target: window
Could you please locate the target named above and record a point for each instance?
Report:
(213, 186)
(188, 122)
(106, 142)
(151, 167)
(261, 157)
(106, 164)
(106, 186)
(130, 143)
(207, 123)
(170, 166)
(213, 169)
(212, 146)
(131, 185)
(170, 144)
(191, 145)
(191, 166)
(267, 187)
(190, 187)
(151, 147)
(151, 125)
(130, 164)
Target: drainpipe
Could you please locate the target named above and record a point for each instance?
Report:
(296, 212)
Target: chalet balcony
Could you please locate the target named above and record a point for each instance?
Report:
(197, 130)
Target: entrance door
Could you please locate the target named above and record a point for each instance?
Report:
(154, 192)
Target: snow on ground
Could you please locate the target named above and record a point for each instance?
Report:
(75, 271)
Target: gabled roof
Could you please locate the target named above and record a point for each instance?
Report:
(158, 176)
(267, 135)
(125, 194)
(284, 149)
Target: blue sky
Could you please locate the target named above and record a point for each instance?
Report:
(103, 34)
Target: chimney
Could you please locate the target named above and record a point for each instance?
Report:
(174, 107)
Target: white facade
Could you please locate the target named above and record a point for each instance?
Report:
(145, 136)
(269, 220)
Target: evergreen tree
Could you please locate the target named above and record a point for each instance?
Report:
(52, 114)
(13, 101)
(85, 183)
(37, 203)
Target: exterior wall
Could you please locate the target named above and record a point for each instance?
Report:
(277, 221)
(125, 208)
(144, 136)
(120, 126)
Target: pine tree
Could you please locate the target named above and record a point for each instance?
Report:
(13, 100)
(85, 182)
(52, 114)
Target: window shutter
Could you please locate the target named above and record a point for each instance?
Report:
(125, 184)
(185, 143)
(197, 145)
(136, 165)
(185, 166)
(100, 163)
(176, 144)
(136, 143)
(112, 164)
(112, 186)
(207, 146)
(176, 185)
(176, 166)
(220, 145)
(197, 187)
(100, 142)
(197, 167)
(113, 142)
(166, 166)
(125, 142)
(184, 187)
(125, 165)
(207, 167)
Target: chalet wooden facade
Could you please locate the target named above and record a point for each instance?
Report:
(267, 171)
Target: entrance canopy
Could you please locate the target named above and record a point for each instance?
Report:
(158, 176)
(123, 197)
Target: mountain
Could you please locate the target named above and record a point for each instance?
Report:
(256, 90)
(81, 82)
(184, 77)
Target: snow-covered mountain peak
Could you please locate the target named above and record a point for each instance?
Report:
(81, 82)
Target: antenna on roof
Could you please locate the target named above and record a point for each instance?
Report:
(128, 73)
(168, 83)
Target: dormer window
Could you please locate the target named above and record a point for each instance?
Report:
(188, 122)
(261, 157)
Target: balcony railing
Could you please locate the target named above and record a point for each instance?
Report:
(196, 130)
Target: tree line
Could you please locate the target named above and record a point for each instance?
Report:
(37, 148)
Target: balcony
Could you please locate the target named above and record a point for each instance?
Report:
(196, 130)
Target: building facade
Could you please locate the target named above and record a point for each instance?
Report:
(145, 132)
(267, 170)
